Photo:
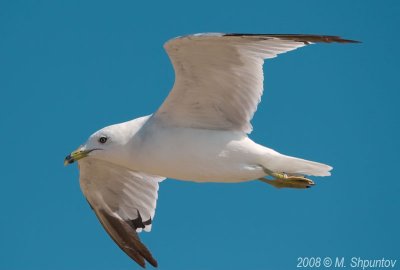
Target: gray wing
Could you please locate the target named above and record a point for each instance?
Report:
(219, 77)
(124, 202)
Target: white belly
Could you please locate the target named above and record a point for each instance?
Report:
(198, 155)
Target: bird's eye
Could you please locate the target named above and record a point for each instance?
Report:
(103, 139)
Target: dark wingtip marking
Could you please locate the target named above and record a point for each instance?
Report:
(125, 236)
(147, 222)
(298, 37)
(138, 222)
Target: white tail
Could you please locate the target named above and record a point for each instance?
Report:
(295, 165)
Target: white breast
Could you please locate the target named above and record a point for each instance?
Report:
(196, 154)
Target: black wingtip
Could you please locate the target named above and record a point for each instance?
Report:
(142, 264)
(341, 40)
(306, 38)
(125, 236)
(153, 263)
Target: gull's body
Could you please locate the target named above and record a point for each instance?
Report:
(201, 155)
(200, 133)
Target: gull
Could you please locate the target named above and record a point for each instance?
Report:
(200, 134)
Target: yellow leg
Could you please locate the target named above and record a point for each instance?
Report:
(283, 180)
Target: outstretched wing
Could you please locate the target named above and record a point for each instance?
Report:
(219, 77)
(124, 202)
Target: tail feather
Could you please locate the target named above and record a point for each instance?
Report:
(294, 165)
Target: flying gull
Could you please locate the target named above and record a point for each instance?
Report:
(200, 134)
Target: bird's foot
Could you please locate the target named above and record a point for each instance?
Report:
(283, 180)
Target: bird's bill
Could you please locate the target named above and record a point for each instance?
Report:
(76, 155)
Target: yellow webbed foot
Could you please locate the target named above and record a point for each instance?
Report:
(288, 181)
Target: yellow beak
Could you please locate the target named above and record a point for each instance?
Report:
(76, 155)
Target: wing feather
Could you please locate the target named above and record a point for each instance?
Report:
(219, 77)
(124, 202)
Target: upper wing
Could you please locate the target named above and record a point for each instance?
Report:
(124, 202)
(219, 77)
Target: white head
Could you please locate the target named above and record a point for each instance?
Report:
(106, 144)
(109, 143)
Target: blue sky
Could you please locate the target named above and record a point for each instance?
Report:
(69, 68)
